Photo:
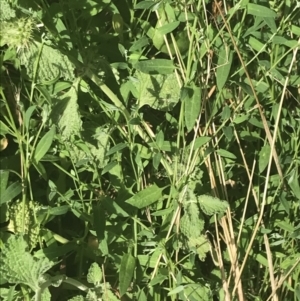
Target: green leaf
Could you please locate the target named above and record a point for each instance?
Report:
(116, 148)
(18, 266)
(11, 192)
(211, 205)
(144, 5)
(3, 179)
(226, 154)
(192, 106)
(44, 144)
(176, 290)
(28, 115)
(99, 221)
(260, 11)
(256, 44)
(167, 28)
(3, 128)
(200, 141)
(146, 197)
(264, 156)
(160, 92)
(224, 65)
(155, 66)
(126, 272)
(139, 44)
(294, 182)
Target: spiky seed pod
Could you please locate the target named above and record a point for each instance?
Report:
(18, 33)
(22, 220)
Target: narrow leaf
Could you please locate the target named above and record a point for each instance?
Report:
(260, 11)
(99, 221)
(11, 192)
(192, 108)
(224, 65)
(126, 272)
(156, 66)
(200, 141)
(146, 197)
(264, 156)
(44, 144)
(116, 148)
(168, 27)
(3, 128)
(28, 115)
(226, 154)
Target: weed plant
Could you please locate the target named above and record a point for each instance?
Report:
(150, 150)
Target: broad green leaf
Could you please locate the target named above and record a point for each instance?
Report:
(155, 66)
(68, 118)
(139, 44)
(211, 205)
(44, 144)
(224, 65)
(146, 197)
(18, 266)
(226, 154)
(260, 11)
(264, 156)
(192, 106)
(10, 192)
(126, 272)
(160, 92)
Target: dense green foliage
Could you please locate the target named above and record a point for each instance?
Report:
(149, 150)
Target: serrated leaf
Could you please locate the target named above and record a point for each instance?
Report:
(44, 144)
(211, 205)
(126, 272)
(224, 65)
(146, 197)
(10, 192)
(264, 156)
(155, 66)
(52, 64)
(18, 266)
(192, 107)
(69, 119)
